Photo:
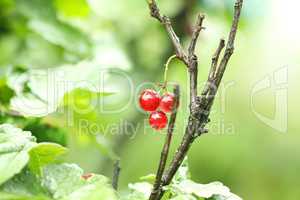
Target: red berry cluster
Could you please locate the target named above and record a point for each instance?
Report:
(152, 102)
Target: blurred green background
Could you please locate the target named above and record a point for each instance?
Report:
(253, 144)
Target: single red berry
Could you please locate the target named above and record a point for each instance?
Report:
(158, 120)
(149, 100)
(167, 102)
(87, 176)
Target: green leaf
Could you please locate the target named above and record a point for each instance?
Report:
(43, 20)
(149, 178)
(60, 182)
(8, 196)
(65, 182)
(41, 102)
(61, 34)
(24, 185)
(134, 196)
(40, 53)
(183, 172)
(6, 93)
(220, 197)
(73, 8)
(43, 154)
(139, 191)
(184, 197)
(46, 132)
(82, 98)
(14, 147)
(214, 189)
(36, 8)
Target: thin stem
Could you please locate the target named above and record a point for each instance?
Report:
(215, 59)
(193, 61)
(116, 174)
(193, 72)
(166, 147)
(167, 68)
(213, 68)
(198, 27)
(230, 44)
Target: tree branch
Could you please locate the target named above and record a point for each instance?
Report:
(193, 60)
(200, 113)
(165, 151)
(155, 12)
(219, 71)
(215, 59)
(193, 71)
(230, 44)
(200, 106)
(116, 174)
(195, 35)
(213, 68)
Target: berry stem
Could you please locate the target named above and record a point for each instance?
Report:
(166, 70)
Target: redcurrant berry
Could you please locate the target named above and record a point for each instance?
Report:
(149, 100)
(158, 120)
(167, 102)
(87, 176)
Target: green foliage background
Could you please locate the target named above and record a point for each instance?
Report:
(80, 37)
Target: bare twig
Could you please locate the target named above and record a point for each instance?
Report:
(166, 147)
(200, 106)
(195, 35)
(116, 174)
(193, 72)
(181, 151)
(215, 59)
(230, 44)
(219, 72)
(155, 12)
(193, 60)
(213, 68)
